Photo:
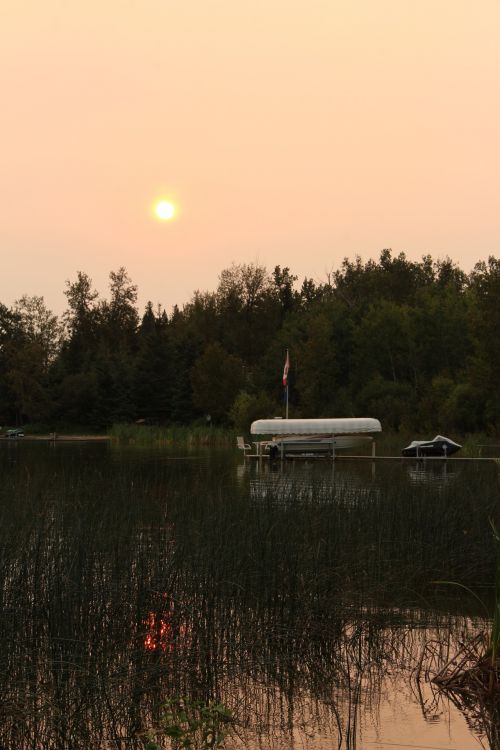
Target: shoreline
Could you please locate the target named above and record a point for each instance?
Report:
(55, 437)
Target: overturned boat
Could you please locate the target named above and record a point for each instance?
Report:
(314, 436)
(441, 447)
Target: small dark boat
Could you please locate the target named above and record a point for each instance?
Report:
(440, 446)
(18, 432)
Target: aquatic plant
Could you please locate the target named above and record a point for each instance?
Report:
(494, 647)
(174, 436)
(127, 576)
(192, 724)
(474, 668)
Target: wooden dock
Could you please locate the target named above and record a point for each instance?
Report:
(405, 459)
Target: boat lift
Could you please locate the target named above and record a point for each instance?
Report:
(303, 438)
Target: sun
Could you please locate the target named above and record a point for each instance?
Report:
(164, 210)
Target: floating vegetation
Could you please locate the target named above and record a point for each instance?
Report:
(191, 724)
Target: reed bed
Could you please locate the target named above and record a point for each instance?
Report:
(127, 581)
(174, 436)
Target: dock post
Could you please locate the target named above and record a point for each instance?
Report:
(333, 447)
(374, 448)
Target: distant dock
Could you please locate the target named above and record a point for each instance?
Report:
(56, 437)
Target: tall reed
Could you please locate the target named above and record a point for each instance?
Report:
(174, 436)
(127, 578)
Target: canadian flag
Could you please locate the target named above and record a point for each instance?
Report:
(285, 369)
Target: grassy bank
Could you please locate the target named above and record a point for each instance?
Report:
(192, 436)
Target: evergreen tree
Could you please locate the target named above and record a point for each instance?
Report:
(153, 368)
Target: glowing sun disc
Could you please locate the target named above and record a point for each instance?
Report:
(164, 210)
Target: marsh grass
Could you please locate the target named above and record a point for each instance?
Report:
(475, 668)
(193, 436)
(176, 436)
(126, 582)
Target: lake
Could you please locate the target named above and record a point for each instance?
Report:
(301, 596)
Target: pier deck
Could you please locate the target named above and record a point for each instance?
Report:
(328, 457)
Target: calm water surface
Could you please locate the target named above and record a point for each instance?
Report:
(299, 595)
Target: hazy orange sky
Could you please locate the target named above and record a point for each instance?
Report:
(289, 133)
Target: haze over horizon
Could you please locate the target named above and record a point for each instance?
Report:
(287, 133)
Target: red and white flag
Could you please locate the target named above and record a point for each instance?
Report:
(285, 369)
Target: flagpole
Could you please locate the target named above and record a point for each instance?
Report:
(285, 381)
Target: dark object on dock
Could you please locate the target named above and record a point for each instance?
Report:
(273, 452)
(440, 446)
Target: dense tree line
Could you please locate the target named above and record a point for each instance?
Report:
(415, 344)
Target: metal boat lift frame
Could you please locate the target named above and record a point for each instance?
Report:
(330, 428)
